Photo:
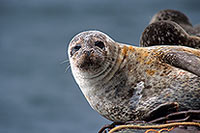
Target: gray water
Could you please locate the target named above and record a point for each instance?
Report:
(36, 95)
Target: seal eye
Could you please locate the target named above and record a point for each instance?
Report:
(75, 49)
(99, 44)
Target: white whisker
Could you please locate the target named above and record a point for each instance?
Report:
(65, 61)
(67, 68)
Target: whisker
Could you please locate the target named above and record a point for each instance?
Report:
(67, 68)
(65, 61)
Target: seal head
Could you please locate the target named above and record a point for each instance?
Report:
(89, 53)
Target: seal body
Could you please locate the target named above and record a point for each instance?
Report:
(125, 83)
(171, 27)
(177, 17)
(168, 33)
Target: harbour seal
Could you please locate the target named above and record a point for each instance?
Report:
(177, 17)
(168, 33)
(124, 83)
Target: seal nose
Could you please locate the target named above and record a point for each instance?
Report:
(88, 52)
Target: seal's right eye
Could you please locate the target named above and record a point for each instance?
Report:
(75, 49)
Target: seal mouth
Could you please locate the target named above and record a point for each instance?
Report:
(90, 61)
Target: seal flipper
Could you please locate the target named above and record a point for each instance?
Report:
(161, 111)
(184, 60)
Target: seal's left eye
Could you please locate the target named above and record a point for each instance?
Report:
(75, 49)
(99, 44)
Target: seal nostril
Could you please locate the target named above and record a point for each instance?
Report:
(99, 44)
(92, 51)
(87, 53)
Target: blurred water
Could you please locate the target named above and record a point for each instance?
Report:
(36, 95)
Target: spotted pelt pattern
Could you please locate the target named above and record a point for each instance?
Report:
(170, 27)
(177, 17)
(167, 33)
